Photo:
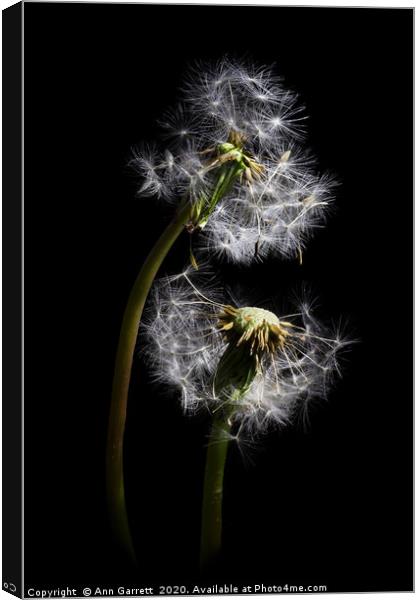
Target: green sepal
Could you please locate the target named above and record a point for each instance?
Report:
(237, 369)
(225, 180)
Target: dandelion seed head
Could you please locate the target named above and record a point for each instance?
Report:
(277, 201)
(194, 339)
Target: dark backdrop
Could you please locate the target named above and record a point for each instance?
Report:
(330, 506)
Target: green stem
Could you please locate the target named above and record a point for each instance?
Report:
(211, 524)
(122, 374)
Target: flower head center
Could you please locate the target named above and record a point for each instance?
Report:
(233, 153)
(249, 316)
(258, 329)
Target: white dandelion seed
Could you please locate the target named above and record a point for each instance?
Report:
(235, 155)
(257, 368)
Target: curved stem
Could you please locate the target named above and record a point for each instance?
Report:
(122, 374)
(211, 523)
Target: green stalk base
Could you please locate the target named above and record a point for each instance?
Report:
(211, 524)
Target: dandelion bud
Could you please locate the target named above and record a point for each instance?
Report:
(251, 333)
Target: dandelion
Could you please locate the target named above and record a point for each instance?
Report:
(242, 189)
(248, 367)
(236, 156)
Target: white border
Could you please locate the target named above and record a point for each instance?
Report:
(384, 4)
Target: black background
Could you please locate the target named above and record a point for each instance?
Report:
(330, 506)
